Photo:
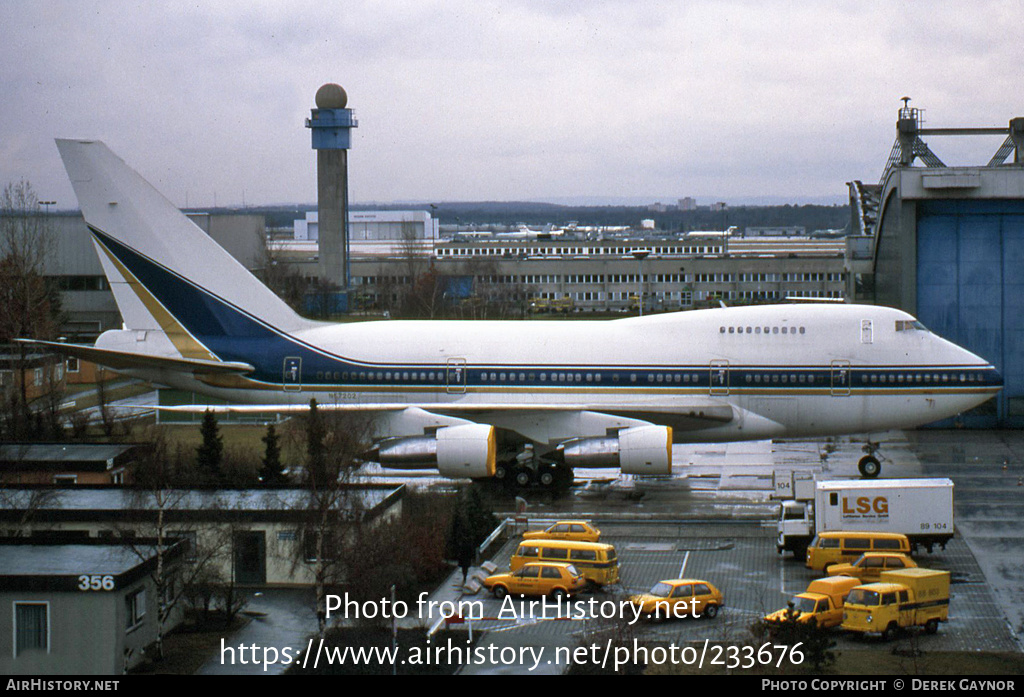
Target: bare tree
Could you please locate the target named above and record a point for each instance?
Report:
(333, 442)
(29, 301)
(162, 496)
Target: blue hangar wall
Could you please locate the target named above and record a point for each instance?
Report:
(970, 289)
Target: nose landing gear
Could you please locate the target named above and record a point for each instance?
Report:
(869, 466)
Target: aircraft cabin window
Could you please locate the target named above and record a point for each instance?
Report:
(632, 377)
(757, 330)
(721, 330)
(732, 330)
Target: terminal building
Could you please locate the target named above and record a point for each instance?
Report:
(947, 245)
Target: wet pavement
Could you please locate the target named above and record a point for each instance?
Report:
(714, 519)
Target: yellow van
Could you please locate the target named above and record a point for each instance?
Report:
(595, 560)
(830, 548)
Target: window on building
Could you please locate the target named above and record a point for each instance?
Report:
(31, 627)
(134, 608)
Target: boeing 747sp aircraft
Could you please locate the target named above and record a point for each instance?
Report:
(511, 399)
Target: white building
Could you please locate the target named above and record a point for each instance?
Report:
(375, 226)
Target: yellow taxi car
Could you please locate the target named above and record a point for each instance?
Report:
(681, 597)
(871, 564)
(538, 578)
(579, 530)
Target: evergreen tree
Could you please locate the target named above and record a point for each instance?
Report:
(316, 456)
(210, 455)
(272, 471)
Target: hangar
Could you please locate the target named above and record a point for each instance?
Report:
(947, 245)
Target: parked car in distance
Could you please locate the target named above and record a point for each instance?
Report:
(678, 598)
(871, 564)
(579, 530)
(538, 578)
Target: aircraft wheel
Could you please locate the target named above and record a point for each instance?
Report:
(869, 467)
(522, 477)
(546, 476)
(500, 472)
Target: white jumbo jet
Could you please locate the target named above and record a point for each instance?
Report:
(520, 400)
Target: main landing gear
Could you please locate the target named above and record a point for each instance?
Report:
(527, 472)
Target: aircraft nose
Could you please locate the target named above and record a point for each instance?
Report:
(995, 377)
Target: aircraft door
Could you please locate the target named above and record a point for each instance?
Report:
(455, 375)
(718, 384)
(866, 332)
(840, 378)
(292, 373)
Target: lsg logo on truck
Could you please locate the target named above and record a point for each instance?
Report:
(866, 507)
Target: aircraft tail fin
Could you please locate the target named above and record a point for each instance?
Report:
(166, 273)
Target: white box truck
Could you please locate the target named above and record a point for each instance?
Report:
(921, 509)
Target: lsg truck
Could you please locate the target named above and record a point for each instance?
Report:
(921, 509)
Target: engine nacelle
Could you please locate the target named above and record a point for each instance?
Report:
(469, 450)
(636, 450)
(646, 450)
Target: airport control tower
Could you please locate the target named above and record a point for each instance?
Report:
(331, 124)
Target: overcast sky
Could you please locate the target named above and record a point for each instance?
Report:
(476, 100)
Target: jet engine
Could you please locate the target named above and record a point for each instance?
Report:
(636, 450)
(456, 451)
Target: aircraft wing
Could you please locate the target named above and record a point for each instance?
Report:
(124, 360)
(540, 423)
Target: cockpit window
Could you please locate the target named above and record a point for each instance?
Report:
(908, 325)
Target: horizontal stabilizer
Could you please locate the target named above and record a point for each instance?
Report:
(125, 360)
